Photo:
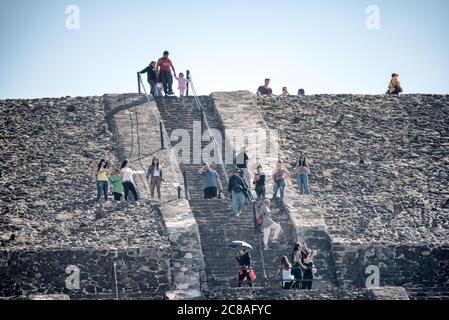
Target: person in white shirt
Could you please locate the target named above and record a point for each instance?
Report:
(128, 181)
(155, 177)
(285, 270)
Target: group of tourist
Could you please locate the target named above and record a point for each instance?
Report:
(122, 180)
(394, 88)
(265, 90)
(239, 191)
(160, 78)
(239, 185)
(296, 275)
(299, 273)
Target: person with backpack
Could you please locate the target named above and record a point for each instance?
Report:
(151, 76)
(237, 189)
(163, 70)
(267, 224)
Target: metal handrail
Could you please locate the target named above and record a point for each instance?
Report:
(162, 129)
(203, 116)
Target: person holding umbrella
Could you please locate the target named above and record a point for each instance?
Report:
(244, 259)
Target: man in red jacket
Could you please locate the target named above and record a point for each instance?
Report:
(163, 71)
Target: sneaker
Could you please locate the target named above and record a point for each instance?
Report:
(237, 215)
(266, 248)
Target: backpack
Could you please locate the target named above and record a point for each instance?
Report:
(238, 187)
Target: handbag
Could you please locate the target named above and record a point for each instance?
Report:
(259, 220)
(252, 275)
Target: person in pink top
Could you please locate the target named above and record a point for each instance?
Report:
(182, 84)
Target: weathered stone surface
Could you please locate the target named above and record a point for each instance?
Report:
(377, 172)
(217, 225)
(389, 293)
(280, 294)
(47, 197)
(304, 214)
(48, 209)
(137, 135)
(395, 193)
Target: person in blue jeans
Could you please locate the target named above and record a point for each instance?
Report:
(101, 175)
(237, 189)
(303, 172)
(151, 76)
(279, 176)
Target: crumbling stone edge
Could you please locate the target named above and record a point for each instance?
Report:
(187, 259)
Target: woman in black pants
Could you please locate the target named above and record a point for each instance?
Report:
(297, 266)
(128, 181)
(244, 259)
(309, 270)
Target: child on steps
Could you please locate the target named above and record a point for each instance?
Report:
(182, 84)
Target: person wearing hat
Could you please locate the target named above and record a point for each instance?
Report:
(163, 67)
(155, 177)
(237, 189)
(394, 86)
(151, 76)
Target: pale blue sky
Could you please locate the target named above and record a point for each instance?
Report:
(322, 46)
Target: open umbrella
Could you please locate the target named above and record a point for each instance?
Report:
(237, 244)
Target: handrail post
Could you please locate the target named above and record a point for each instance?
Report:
(161, 129)
(138, 83)
(186, 190)
(188, 78)
(255, 216)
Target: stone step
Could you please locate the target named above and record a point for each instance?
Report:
(215, 219)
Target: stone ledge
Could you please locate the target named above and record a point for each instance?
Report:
(180, 224)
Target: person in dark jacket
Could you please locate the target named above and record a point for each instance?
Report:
(259, 182)
(297, 266)
(244, 260)
(151, 76)
(237, 189)
(309, 271)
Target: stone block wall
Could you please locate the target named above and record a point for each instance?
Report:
(414, 267)
(81, 272)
